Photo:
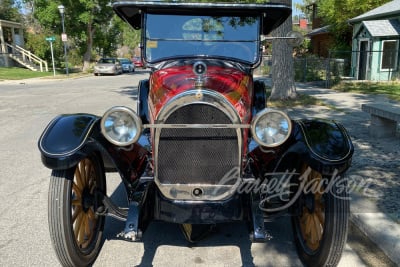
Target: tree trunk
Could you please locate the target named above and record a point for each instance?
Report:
(88, 54)
(283, 86)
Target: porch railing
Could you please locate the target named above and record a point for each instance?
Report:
(27, 57)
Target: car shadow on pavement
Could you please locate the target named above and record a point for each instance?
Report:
(130, 91)
(227, 238)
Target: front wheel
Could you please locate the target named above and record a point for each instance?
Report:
(321, 220)
(75, 229)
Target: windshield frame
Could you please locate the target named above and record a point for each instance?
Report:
(245, 49)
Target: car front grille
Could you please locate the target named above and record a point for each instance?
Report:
(197, 155)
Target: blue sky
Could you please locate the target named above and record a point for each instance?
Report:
(296, 12)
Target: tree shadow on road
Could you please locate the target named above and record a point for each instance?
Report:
(130, 91)
(226, 235)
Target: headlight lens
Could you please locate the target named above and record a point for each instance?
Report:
(271, 128)
(121, 126)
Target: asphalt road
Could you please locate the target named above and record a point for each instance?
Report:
(25, 109)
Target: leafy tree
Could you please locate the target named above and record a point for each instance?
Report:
(118, 33)
(336, 13)
(37, 42)
(128, 37)
(84, 22)
(304, 7)
(9, 10)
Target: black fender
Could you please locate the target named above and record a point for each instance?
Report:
(70, 138)
(63, 142)
(324, 145)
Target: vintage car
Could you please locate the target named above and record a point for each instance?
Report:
(201, 148)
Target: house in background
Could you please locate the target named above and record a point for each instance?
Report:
(376, 43)
(11, 34)
(12, 52)
(320, 36)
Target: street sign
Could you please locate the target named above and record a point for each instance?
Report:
(64, 37)
(51, 39)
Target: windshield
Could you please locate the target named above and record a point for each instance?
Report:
(107, 61)
(180, 36)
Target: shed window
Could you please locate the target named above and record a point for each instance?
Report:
(389, 55)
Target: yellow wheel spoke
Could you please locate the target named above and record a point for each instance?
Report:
(82, 172)
(318, 229)
(319, 210)
(78, 178)
(87, 171)
(87, 227)
(91, 215)
(309, 225)
(77, 191)
(314, 229)
(81, 233)
(78, 225)
(83, 221)
(77, 212)
(92, 180)
(312, 222)
(76, 202)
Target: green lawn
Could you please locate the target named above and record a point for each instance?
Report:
(21, 73)
(390, 89)
(301, 100)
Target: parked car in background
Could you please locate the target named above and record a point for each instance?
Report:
(138, 62)
(108, 66)
(127, 65)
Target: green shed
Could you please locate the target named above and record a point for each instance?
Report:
(376, 43)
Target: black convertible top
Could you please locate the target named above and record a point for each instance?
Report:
(273, 14)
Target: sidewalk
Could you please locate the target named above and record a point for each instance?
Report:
(375, 204)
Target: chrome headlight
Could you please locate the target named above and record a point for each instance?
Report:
(271, 128)
(121, 126)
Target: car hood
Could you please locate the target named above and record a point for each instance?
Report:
(235, 85)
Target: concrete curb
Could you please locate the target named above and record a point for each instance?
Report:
(381, 230)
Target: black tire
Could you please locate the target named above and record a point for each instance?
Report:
(321, 226)
(75, 230)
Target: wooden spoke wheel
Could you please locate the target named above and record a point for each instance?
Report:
(75, 229)
(321, 220)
